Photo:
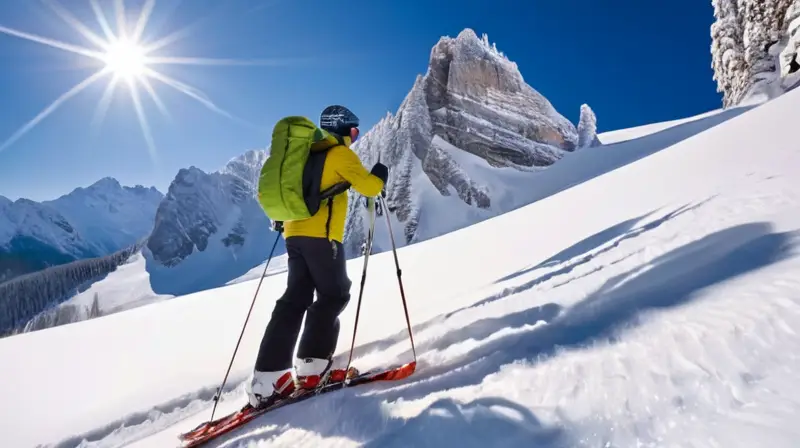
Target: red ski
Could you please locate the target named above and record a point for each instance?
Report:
(210, 430)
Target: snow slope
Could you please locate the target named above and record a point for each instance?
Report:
(621, 135)
(125, 288)
(654, 305)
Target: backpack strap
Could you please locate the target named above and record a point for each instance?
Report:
(312, 180)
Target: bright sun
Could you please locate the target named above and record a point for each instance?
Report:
(124, 55)
(126, 59)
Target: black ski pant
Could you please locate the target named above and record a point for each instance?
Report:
(313, 264)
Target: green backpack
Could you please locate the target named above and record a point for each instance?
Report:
(289, 185)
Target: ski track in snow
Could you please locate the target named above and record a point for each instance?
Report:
(664, 318)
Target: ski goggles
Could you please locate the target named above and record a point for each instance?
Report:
(354, 133)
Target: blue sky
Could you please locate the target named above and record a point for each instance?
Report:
(633, 62)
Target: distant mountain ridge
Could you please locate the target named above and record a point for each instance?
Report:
(88, 222)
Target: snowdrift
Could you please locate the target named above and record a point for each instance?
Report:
(653, 304)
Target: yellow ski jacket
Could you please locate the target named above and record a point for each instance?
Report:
(341, 165)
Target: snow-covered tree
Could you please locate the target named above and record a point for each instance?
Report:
(587, 128)
(402, 203)
(789, 57)
(747, 40)
(54, 317)
(763, 23)
(727, 50)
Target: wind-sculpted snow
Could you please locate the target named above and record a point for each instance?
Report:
(665, 314)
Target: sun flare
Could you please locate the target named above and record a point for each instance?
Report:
(126, 59)
(124, 55)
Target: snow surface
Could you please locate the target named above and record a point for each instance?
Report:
(277, 265)
(653, 305)
(125, 288)
(620, 135)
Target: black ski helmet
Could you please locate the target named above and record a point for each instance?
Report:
(338, 119)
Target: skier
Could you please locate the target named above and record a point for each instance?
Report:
(316, 262)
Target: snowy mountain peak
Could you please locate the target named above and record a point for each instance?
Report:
(467, 47)
(184, 177)
(468, 126)
(476, 79)
(209, 228)
(478, 46)
(246, 167)
(88, 222)
(111, 215)
(142, 190)
(106, 182)
(109, 189)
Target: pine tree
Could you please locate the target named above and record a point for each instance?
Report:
(94, 311)
(789, 57)
(401, 194)
(727, 49)
(747, 40)
(31, 301)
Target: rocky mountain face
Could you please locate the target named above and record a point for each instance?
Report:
(463, 142)
(755, 45)
(88, 222)
(209, 229)
(478, 101)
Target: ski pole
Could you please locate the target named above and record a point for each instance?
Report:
(224, 380)
(399, 279)
(370, 235)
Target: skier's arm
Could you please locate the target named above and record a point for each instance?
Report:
(350, 168)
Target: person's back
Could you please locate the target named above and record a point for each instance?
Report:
(316, 262)
(341, 165)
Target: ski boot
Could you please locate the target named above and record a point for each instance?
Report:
(313, 373)
(265, 389)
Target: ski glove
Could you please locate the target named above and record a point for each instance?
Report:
(277, 226)
(380, 171)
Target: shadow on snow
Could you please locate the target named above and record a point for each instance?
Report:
(571, 258)
(671, 280)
